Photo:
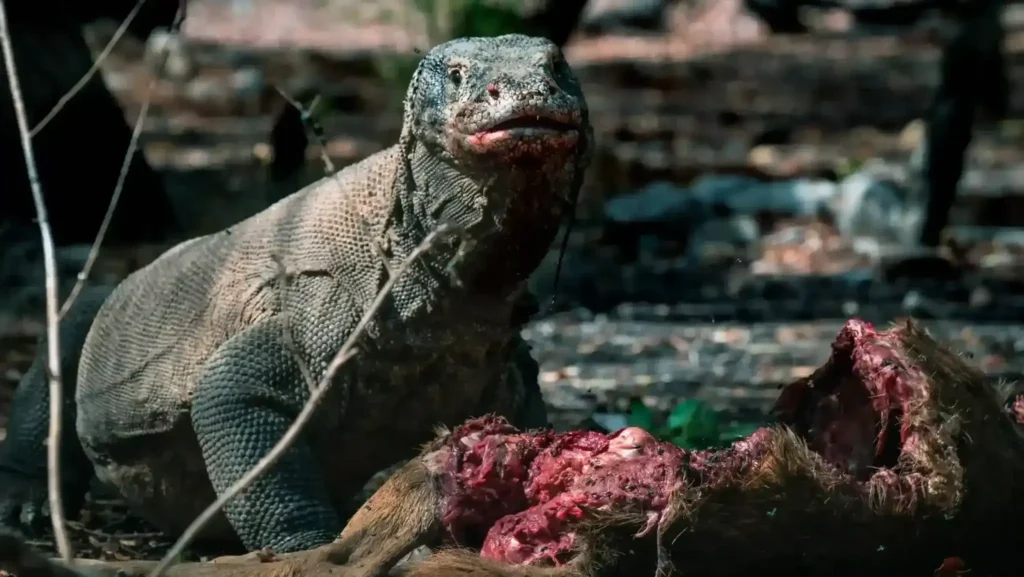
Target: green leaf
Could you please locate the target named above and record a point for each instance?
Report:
(683, 413)
(640, 415)
(694, 425)
(696, 418)
(706, 426)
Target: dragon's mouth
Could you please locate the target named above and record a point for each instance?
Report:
(531, 122)
(527, 133)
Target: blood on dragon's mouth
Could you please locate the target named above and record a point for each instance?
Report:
(526, 134)
(531, 122)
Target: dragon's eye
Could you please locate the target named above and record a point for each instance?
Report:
(455, 76)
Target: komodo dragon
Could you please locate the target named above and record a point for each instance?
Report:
(186, 377)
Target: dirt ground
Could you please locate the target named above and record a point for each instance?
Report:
(700, 98)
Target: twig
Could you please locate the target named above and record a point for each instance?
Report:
(92, 71)
(52, 318)
(306, 114)
(347, 351)
(94, 251)
(307, 119)
(282, 272)
(289, 337)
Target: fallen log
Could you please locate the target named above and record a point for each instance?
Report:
(894, 458)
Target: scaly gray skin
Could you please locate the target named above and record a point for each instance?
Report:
(186, 379)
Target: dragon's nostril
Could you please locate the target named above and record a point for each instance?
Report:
(492, 90)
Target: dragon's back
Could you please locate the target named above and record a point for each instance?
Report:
(152, 337)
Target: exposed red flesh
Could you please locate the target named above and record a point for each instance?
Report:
(529, 492)
(1017, 409)
(866, 391)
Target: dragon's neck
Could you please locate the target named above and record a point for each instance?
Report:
(510, 214)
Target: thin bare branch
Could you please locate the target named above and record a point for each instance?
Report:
(289, 336)
(92, 70)
(347, 351)
(52, 318)
(94, 251)
(126, 163)
(282, 271)
(309, 120)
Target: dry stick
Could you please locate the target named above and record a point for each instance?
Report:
(52, 319)
(92, 71)
(318, 131)
(282, 271)
(307, 116)
(347, 351)
(126, 163)
(289, 336)
(94, 251)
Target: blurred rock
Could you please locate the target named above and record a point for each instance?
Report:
(873, 204)
(729, 237)
(998, 259)
(207, 91)
(659, 202)
(719, 195)
(912, 135)
(248, 82)
(748, 196)
(163, 44)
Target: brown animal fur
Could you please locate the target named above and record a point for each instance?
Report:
(467, 563)
(950, 491)
(401, 516)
